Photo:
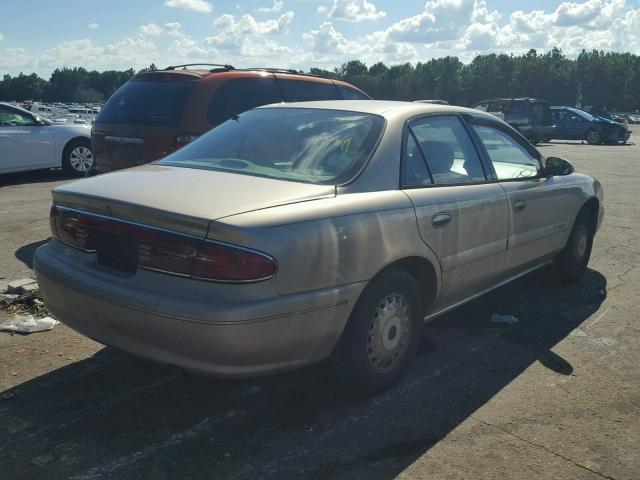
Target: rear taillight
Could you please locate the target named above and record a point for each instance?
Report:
(224, 262)
(157, 249)
(184, 138)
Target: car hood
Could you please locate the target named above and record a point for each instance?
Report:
(608, 121)
(182, 198)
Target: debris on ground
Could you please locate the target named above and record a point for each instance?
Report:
(22, 286)
(508, 319)
(28, 324)
(22, 297)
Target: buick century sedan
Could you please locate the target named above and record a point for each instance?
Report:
(297, 233)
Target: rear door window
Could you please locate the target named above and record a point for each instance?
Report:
(301, 91)
(241, 94)
(450, 155)
(158, 104)
(414, 168)
(351, 93)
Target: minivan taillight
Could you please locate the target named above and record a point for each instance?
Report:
(129, 246)
(184, 138)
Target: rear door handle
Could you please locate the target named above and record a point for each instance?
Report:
(519, 206)
(440, 219)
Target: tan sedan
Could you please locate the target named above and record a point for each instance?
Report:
(297, 233)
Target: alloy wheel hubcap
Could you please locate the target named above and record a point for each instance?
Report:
(81, 159)
(389, 333)
(593, 137)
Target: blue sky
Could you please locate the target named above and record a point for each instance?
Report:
(299, 33)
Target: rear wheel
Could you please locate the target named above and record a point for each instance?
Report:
(382, 335)
(571, 263)
(77, 158)
(593, 137)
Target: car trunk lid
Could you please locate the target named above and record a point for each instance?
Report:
(182, 199)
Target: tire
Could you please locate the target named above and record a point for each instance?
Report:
(382, 335)
(78, 159)
(593, 137)
(571, 263)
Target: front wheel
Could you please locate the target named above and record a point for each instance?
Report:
(571, 263)
(382, 335)
(77, 158)
(593, 137)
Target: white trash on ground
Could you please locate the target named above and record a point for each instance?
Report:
(28, 324)
(508, 319)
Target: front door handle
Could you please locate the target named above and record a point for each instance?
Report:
(519, 206)
(440, 219)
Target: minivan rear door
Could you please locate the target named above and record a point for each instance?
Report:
(141, 120)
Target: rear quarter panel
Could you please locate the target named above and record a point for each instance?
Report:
(330, 242)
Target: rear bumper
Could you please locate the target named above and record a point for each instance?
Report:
(219, 338)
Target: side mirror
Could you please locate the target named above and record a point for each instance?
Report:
(556, 166)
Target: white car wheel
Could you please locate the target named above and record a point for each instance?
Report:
(78, 159)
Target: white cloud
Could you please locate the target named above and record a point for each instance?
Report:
(93, 26)
(353, 10)
(277, 6)
(173, 29)
(153, 30)
(132, 52)
(231, 33)
(326, 39)
(150, 29)
(194, 5)
(1, 37)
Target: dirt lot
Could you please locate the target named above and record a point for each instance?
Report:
(555, 396)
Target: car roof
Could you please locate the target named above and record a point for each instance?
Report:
(379, 107)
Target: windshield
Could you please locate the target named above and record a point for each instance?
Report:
(582, 114)
(300, 144)
(150, 103)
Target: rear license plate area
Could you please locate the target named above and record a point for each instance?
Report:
(128, 154)
(117, 251)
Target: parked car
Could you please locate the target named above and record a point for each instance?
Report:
(364, 219)
(158, 112)
(575, 124)
(530, 116)
(32, 142)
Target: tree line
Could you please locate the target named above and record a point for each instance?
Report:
(604, 79)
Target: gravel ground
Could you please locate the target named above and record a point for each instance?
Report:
(555, 396)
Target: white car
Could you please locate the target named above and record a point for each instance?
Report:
(31, 142)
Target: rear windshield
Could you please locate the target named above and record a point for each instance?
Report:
(147, 103)
(305, 145)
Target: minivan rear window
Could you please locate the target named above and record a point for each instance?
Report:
(301, 91)
(158, 104)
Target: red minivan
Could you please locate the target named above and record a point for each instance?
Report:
(157, 112)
